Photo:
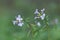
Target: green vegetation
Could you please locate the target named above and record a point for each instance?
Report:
(26, 8)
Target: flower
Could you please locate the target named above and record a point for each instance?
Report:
(18, 18)
(37, 14)
(14, 22)
(40, 15)
(42, 11)
(43, 14)
(20, 24)
(36, 17)
(38, 23)
(18, 21)
(36, 11)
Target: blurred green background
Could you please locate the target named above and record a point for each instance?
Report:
(10, 8)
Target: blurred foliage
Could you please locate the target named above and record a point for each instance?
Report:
(10, 8)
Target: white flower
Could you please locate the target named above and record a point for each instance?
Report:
(14, 22)
(20, 24)
(36, 17)
(42, 11)
(19, 18)
(38, 23)
(36, 11)
(42, 16)
(18, 21)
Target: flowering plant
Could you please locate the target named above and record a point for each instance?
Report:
(39, 22)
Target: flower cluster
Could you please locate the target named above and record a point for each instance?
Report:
(18, 21)
(32, 27)
(39, 15)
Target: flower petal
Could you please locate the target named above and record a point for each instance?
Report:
(14, 22)
(38, 23)
(36, 12)
(20, 24)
